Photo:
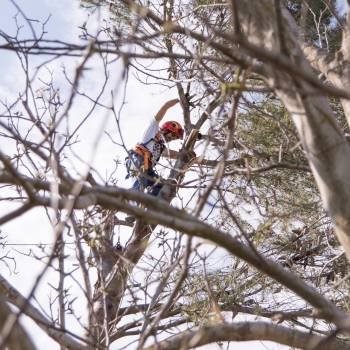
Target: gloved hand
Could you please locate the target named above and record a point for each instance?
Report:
(192, 155)
(189, 97)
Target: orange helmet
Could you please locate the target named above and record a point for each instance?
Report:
(175, 127)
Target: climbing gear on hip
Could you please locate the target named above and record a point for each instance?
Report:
(127, 163)
(130, 219)
(118, 246)
(142, 150)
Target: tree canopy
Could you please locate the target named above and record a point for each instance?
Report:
(252, 242)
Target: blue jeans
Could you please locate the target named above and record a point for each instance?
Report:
(138, 161)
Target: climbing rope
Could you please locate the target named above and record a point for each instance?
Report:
(118, 245)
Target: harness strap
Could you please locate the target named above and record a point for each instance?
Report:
(156, 138)
(143, 152)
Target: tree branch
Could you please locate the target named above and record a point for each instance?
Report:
(60, 335)
(246, 331)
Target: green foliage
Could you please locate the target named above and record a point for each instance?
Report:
(120, 20)
(280, 211)
(316, 22)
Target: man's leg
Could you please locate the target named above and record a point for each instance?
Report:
(155, 187)
(145, 183)
(136, 184)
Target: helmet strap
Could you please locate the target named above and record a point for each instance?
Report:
(166, 132)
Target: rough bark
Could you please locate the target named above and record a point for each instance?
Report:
(327, 149)
(334, 66)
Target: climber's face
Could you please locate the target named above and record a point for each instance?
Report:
(170, 136)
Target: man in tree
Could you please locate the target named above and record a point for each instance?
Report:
(152, 145)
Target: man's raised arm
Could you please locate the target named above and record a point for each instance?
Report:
(159, 116)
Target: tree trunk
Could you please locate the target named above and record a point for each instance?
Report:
(111, 285)
(326, 147)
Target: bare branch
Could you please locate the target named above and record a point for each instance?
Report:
(243, 331)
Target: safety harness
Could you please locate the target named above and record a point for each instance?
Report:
(142, 150)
